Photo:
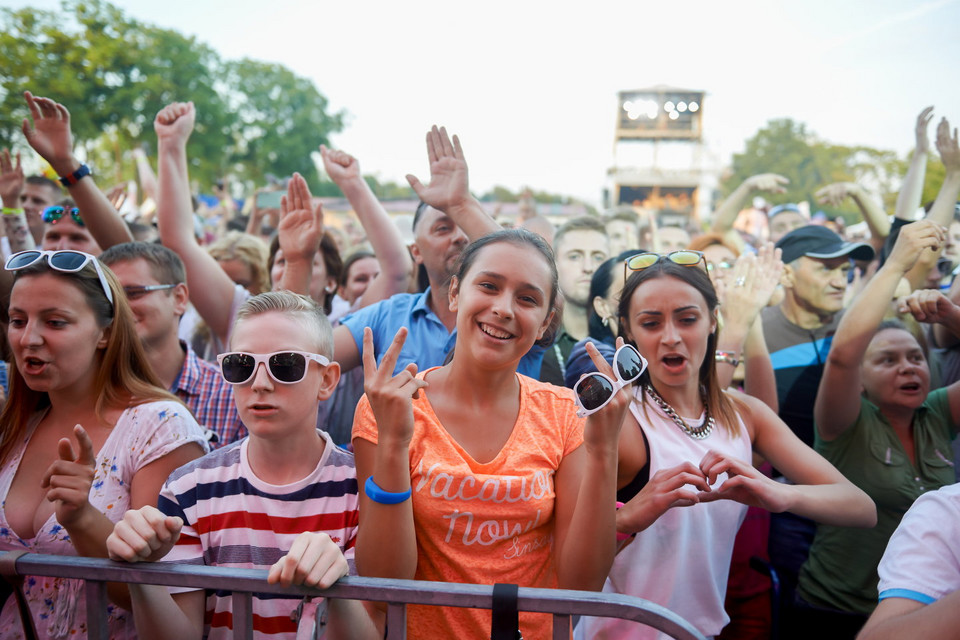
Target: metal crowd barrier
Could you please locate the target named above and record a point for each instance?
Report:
(396, 593)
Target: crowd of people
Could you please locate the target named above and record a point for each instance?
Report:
(750, 424)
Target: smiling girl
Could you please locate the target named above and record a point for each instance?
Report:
(507, 484)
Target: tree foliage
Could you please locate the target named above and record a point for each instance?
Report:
(115, 73)
(790, 149)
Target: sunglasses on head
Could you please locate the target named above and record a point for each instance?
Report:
(66, 261)
(683, 257)
(53, 214)
(285, 367)
(594, 390)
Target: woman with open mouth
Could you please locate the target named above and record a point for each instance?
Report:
(86, 434)
(685, 473)
(879, 423)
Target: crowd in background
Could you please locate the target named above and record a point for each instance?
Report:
(737, 420)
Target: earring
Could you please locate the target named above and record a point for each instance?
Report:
(330, 289)
(606, 321)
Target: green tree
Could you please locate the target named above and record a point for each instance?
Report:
(788, 148)
(115, 73)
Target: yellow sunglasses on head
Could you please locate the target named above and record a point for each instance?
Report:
(683, 257)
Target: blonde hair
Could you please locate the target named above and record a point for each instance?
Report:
(124, 376)
(293, 304)
(248, 249)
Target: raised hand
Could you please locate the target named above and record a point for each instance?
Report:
(449, 184)
(913, 239)
(947, 147)
(923, 120)
(679, 486)
(744, 484)
(174, 123)
(747, 288)
(301, 225)
(339, 165)
(770, 182)
(314, 560)
(836, 193)
(602, 429)
(70, 477)
(143, 535)
(928, 305)
(11, 180)
(50, 135)
(391, 396)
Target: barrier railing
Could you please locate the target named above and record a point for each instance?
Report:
(396, 593)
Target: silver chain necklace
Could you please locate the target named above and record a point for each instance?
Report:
(697, 433)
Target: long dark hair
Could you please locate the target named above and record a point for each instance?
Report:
(718, 403)
(600, 284)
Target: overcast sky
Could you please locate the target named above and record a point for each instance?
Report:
(531, 86)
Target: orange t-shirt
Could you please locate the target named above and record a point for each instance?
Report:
(485, 523)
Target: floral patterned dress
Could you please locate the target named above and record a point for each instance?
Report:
(143, 434)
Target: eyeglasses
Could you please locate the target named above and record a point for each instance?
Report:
(67, 261)
(53, 214)
(684, 257)
(137, 292)
(285, 367)
(596, 389)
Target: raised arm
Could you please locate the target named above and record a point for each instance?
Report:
(14, 219)
(299, 233)
(726, 214)
(386, 540)
(51, 137)
(743, 295)
(911, 191)
(449, 189)
(836, 407)
(586, 486)
(211, 290)
(394, 259)
(870, 208)
(949, 149)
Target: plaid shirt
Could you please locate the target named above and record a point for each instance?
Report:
(209, 398)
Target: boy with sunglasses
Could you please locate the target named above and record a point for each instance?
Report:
(283, 499)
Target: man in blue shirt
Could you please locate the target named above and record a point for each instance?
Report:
(447, 219)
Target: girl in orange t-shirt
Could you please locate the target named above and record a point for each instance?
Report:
(507, 485)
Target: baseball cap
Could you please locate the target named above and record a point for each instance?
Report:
(784, 208)
(814, 241)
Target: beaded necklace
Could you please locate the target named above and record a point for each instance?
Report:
(697, 433)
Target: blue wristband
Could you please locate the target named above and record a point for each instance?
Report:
(380, 496)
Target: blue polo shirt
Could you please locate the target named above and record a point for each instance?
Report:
(428, 341)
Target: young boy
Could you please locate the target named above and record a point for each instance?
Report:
(284, 498)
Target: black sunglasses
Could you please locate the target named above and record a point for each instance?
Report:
(595, 390)
(285, 367)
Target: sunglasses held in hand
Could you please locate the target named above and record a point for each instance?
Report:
(595, 390)
(285, 367)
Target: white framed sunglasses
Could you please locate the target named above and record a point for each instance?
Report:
(594, 390)
(65, 260)
(285, 367)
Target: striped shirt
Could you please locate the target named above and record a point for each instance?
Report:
(234, 519)
(209, 398)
